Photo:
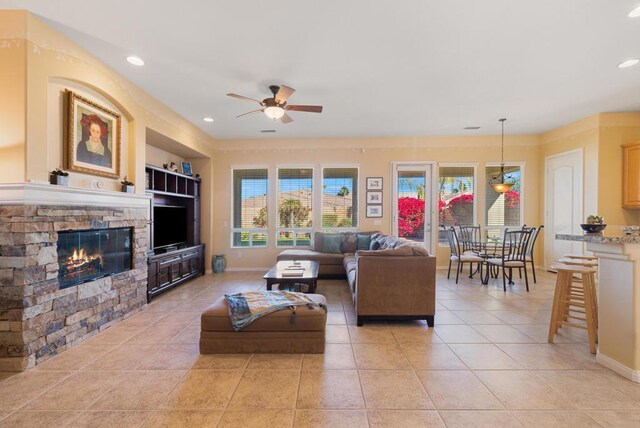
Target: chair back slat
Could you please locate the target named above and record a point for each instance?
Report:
(454, 243)
(515, 244)
(471, 238)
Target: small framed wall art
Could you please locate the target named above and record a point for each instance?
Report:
(374, 183)
(186, 168)
(374, 197)
(92, 137)
(374, 211)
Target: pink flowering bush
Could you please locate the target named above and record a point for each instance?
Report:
(411, 216)
(511, 199)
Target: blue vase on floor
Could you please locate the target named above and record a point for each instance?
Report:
(218, 264)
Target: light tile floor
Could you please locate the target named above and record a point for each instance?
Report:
(485, 364)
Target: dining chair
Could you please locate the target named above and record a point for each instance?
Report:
(531, 249)
(471, 238)
(457, 255)
(515, 244)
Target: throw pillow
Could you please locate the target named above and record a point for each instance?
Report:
(332, 244)
(364, 242)
(375, 245)
(349, 243)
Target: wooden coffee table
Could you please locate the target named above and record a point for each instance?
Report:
(308, 275)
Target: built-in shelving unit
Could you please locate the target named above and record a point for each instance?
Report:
(175, 251)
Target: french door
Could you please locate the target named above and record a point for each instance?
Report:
(412, 200)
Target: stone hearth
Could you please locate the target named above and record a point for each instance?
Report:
(37, 318)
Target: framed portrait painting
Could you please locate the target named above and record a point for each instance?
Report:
(92, 137)
(186, 168)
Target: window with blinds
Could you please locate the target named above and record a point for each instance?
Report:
(250, 212)
(503, 209)
(339, 198)
(295, 207)
(456, 198)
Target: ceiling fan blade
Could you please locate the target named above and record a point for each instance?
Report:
(250, 113)
(286, 118)
(240, 97)
(311, 109)
(283, 93)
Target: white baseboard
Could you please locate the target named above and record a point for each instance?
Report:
(621, 369)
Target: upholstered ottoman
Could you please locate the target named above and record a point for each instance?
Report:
(271, 334)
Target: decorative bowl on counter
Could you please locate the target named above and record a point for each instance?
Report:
(631, 230)
(593, 227)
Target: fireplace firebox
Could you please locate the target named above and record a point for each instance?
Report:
(85, 255)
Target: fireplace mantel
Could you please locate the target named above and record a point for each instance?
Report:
(49, 194)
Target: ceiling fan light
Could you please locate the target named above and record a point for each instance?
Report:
(274, 112)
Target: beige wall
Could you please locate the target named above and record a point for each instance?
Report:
(158, 157)
(375, 161)
(46, 63)
(615, 130)
(13, 93)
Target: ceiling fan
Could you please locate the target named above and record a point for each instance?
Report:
(276, 107)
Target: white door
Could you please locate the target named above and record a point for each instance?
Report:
(412, 200)
(564, 212)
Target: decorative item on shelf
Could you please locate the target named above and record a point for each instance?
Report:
(127, 186)
(631, 230)
(59, 177)
(171, 166)
(186, 168)
(218, 264)
(594, 224)
(499, 182)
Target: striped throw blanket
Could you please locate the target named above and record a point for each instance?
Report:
(245, 308)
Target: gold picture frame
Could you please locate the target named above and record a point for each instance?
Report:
(92, 137)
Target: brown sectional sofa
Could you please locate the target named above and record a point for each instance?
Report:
(390, 278)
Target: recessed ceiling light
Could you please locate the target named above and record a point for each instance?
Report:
(135, 60)
(634, 13)
(629, 63)
(208, 119)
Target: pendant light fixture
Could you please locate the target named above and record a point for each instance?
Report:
(498, 182)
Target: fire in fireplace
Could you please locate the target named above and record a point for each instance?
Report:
(86, 255)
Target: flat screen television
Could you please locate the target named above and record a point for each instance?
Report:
(169, 226)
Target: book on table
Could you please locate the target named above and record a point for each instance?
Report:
(293, 273)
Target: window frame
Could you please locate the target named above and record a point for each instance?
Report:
(522, 166)
(295, 230)
(251, 231)
(321, 197)
(475, 191)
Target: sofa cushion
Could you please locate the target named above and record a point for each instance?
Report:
(349, 243)
(364, 241)
(332, 244)
(323, 258)
(349, 263)
(317, 241)
(374, 245)
(400, 251)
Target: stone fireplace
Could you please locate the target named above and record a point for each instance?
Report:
(72, 263)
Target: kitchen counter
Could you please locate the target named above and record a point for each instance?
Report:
(618, 299)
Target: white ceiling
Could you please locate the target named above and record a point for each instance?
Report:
(380, 68)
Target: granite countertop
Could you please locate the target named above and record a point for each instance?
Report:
(607, 238)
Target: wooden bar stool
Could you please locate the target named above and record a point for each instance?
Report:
(590, 262)
(574, 303)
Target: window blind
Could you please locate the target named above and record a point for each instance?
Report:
(295, 206)
(503, 209)
(250, 208)
(339, 198)
(456, 195)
